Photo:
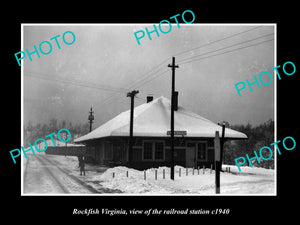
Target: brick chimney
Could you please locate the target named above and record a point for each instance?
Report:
(149, 98)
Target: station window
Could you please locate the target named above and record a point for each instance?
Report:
(153, 150)
(158, 151)
(148, 153)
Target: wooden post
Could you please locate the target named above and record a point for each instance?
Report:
(144, 174)
(163, 173)
(113, 175)
(217, 176)
(203, 169)
(187, 171)
(179, 172)
(222, 145)
(131, 95)
(127, 173)
(217, 161)
(211, 165)
(155, 174)
(173, 66)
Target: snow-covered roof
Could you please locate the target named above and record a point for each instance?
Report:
(153, 120)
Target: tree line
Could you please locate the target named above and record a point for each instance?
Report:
(39, 130)
(258, 136)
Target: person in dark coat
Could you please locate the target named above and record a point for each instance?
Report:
(81, 164)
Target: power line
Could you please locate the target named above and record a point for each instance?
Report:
(144, 79)
(107, 100)
(222, 53)
(153, 77)
(148, 74)
(154, 72)
(76, 83)
(142, 84)
(213, 42)
(229, 46)
(147, 79)
(140, 98)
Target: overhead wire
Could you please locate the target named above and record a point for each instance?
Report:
(145, 80)
(157, 71)
(140, 85)
(232, 50)
(147, 77)
(153, 73)
(75, 83)
(229, 46)
(140, 98)
(218, 40)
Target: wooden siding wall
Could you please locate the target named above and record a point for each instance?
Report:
(103, 151)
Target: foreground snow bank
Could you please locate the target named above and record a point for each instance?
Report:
(252, 181)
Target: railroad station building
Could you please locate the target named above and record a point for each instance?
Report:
(194, 138)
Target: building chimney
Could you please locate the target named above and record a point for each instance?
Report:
(149, 98)
(175, 100)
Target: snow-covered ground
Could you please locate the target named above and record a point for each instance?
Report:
(42, 177)
(258, 181)
(250, 181)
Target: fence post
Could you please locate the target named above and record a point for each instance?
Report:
(211, 168)
(155, 174)
(179, 172)
(113, 175)
(127, 173)
(163, 173)
(203, 169)
(193, 171)
(144, 174)
(186, 172)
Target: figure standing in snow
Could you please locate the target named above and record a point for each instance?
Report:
(81, 164)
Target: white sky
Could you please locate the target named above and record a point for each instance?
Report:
(109, 56)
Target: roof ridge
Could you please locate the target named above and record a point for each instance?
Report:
(149, 104)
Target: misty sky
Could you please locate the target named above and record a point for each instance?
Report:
(108, 57)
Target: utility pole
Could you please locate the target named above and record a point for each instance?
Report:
(173, 66)
(222, 141)
(222, 144)
(131, 95)
(91, 118)
(218, 146)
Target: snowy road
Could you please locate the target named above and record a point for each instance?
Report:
(44, 176)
